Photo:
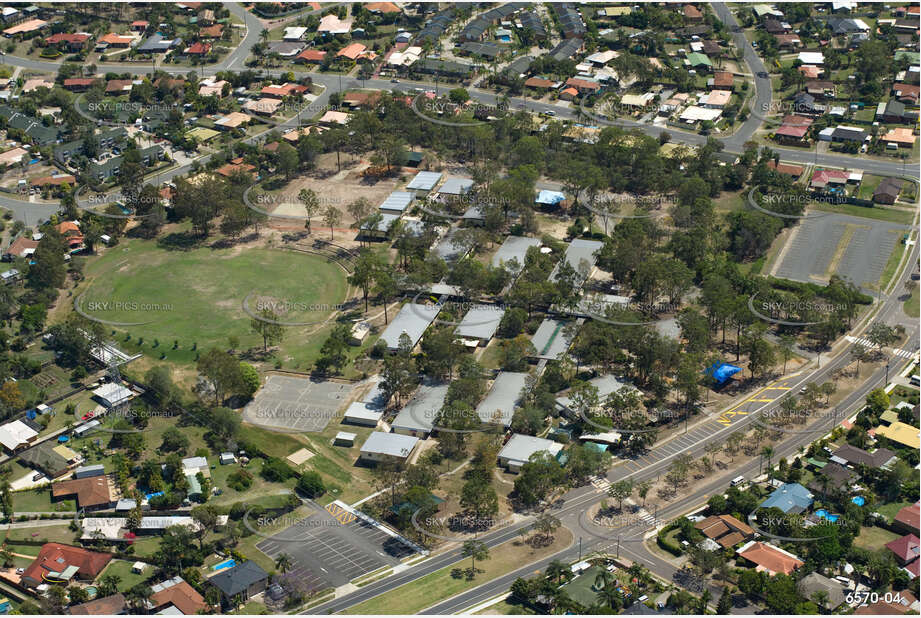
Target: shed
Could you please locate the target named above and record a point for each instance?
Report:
(88, 471)
(552, 339)
(227, 458)
(514, 248)
(344, 438)
(113, 394)
(456, 185)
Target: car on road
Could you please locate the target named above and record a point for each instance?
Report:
(394, 81)
(548, 112)
(763, 74)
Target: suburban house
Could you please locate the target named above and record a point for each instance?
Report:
(789, 498)
(59, 563)
(834, 590)
(92, 494)
(847, 454)
(112, 605)
(772, 560)
(907, 519)
(725, 530)
(888, 190)
(240, 582)
(176, 595)
(17, 435)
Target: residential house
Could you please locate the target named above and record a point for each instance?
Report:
(725, 530)
(900, 137)
(71, 42)
(821, 89)
(814, 583)
(794, 171)
(312, 56)
(20, 248)
(906, 93)
(722, 80)
(772, 560)
(115, 40)
(59, 563)
(240, 582)
(788, 41)
(176, 595)
(53, 460)
(888, 190)
(789, 498)
(78, 84)
(17, 435)
(906, 549)
(91, 493)
(112, 605)
(851, 455)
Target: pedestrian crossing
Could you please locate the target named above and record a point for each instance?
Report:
(599, 483)
(868, 344)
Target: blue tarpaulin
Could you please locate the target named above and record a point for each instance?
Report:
(722, 371)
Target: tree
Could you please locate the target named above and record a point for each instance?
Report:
(283, 562)
(331, 217)
(620, 491)
(767, 452)
(642, 489)
(311, 204)
(877, 401)
(311, 484)
(206, 519)
(222, 370)
(365, 271)
(475, 550)
(478, 495)
(266, 325)
(787, 344)
(546, 524)
(334, 352)
(287, 159)
(861, 353)
(724, 606)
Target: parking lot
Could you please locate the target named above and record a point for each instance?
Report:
(325, 552)
(288, 403)
(854, 248)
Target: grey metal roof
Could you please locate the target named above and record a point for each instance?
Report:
(397, 201)
(503, 396)
(237, 579)
(605, 384)
(425, 181)
(420, 412)
(520, 447)
(386, 222)
(376, 397)
(550, 340)
(412, 319)
(481, 322)
(514, 247)
(393, 444)
(362, 411)
(577, 251)
(456, 185)
(448, 250)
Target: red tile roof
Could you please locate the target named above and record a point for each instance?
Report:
(199, 49)
(55, 557)
(583, 84)
(212, 32)
(770, 558)
(90, 492)
(909, 516)
(78, 82)
(692, 12)
(106, 606)
(183, 596)
(723, 79)
(536, 82)
(311, 55)
(62, 37)
(785, 168)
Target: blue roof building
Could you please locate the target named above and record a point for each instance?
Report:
(789, 498)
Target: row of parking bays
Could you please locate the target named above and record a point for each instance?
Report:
(329, 549)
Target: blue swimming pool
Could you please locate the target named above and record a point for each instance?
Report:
(826, 515)
(230, 562)
(859, 500)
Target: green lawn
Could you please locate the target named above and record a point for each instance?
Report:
(190, 300)
(874, 538)
(868, 186)
(59, 533)
(911, 306)
(435, 587)
(39, 500)
(891, 264)
(890, 510)
(122, 569)
(505, 608)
